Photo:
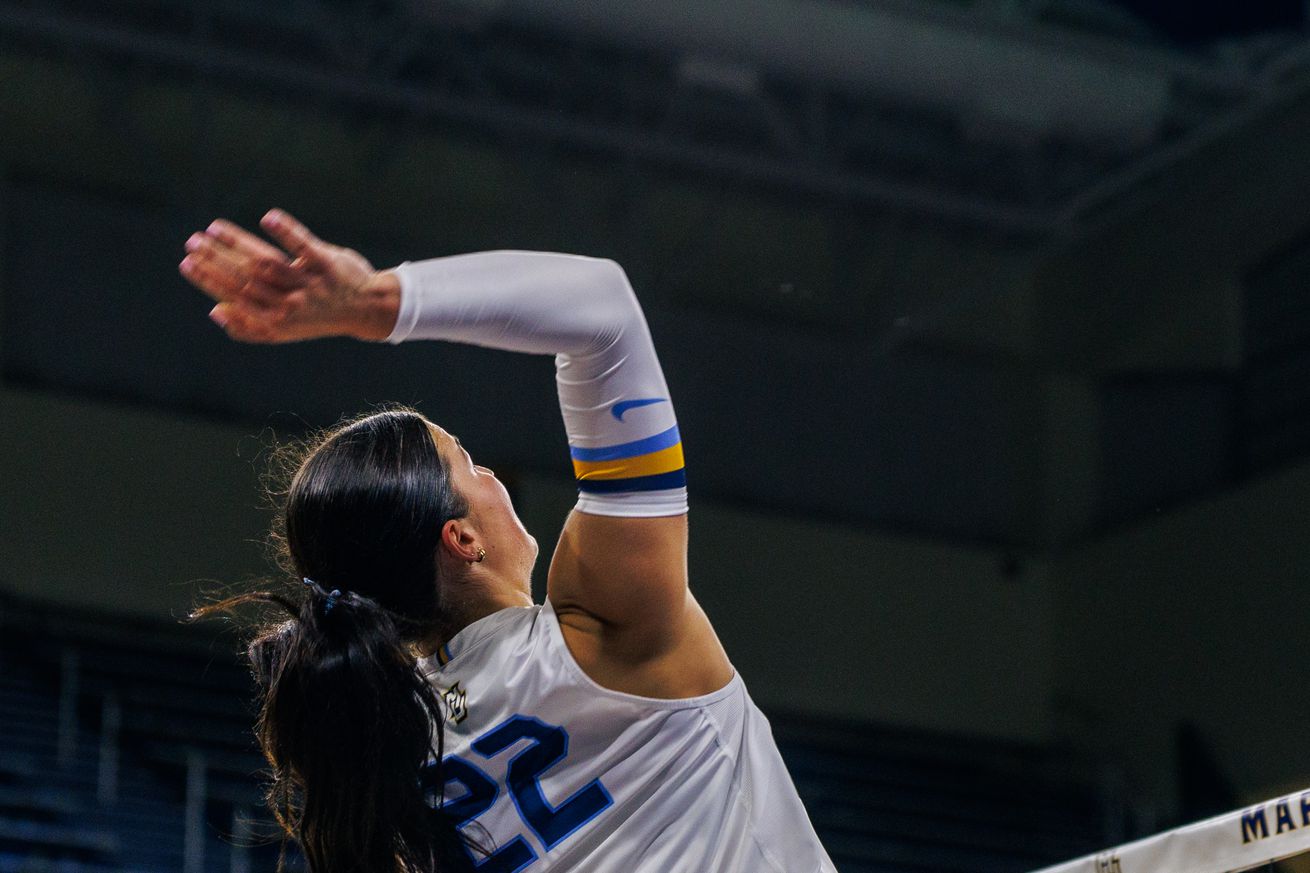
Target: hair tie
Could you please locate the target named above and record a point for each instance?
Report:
(332, 596)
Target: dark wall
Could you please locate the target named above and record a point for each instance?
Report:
(787, 417)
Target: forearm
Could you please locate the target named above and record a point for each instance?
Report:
(623, 435)
(535, 302)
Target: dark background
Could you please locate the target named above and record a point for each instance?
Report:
(986, 323)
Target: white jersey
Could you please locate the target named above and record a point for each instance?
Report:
(552, 772)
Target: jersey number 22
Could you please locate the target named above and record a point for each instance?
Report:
(551, 824)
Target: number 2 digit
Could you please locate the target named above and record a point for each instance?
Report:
(550, 745)
(481, 792)
(552, 824)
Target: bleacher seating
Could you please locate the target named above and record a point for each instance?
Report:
(127, 746)
(179, 704)
(889, 800)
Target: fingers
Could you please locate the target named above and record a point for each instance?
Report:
(264, 261)
(242, 240)
(278, 273)
(270, 264)
(293, 236)
(199, 268)
(262, 295)
(240, 324)
(225, 273)
(251, 323)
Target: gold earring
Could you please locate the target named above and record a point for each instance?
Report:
(482, 553)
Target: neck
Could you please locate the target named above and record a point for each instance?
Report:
(470, 600)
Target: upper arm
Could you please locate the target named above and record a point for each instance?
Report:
(626, 576)
(619, 587)
(626, 573)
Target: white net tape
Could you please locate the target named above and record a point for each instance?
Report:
(1240, 840)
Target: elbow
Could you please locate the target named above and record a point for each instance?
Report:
(612, 283)
(613, 304)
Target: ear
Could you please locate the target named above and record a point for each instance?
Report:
(459, 540)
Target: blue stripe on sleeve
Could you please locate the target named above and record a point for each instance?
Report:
(674, 479)
(655, 443)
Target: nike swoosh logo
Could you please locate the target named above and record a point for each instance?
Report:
(624, 405)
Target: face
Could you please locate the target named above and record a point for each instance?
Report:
(509, 546)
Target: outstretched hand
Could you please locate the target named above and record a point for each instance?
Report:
(305, 289)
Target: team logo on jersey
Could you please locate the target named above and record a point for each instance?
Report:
(1108, 864)
(457, 704)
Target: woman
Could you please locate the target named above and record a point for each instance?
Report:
(602, 730)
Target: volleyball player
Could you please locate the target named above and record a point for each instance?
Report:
(602, 730)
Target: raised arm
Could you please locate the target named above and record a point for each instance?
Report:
(623, 436)
(619, 577)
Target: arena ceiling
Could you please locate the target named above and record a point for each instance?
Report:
(1018, 116)
(1015, 233)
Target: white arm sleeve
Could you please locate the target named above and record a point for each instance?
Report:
(623, 436)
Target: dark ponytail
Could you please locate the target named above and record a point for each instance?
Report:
(345, 719)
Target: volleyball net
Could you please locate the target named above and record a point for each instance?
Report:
(1258, 837)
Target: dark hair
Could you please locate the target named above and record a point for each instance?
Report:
(345, 719)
